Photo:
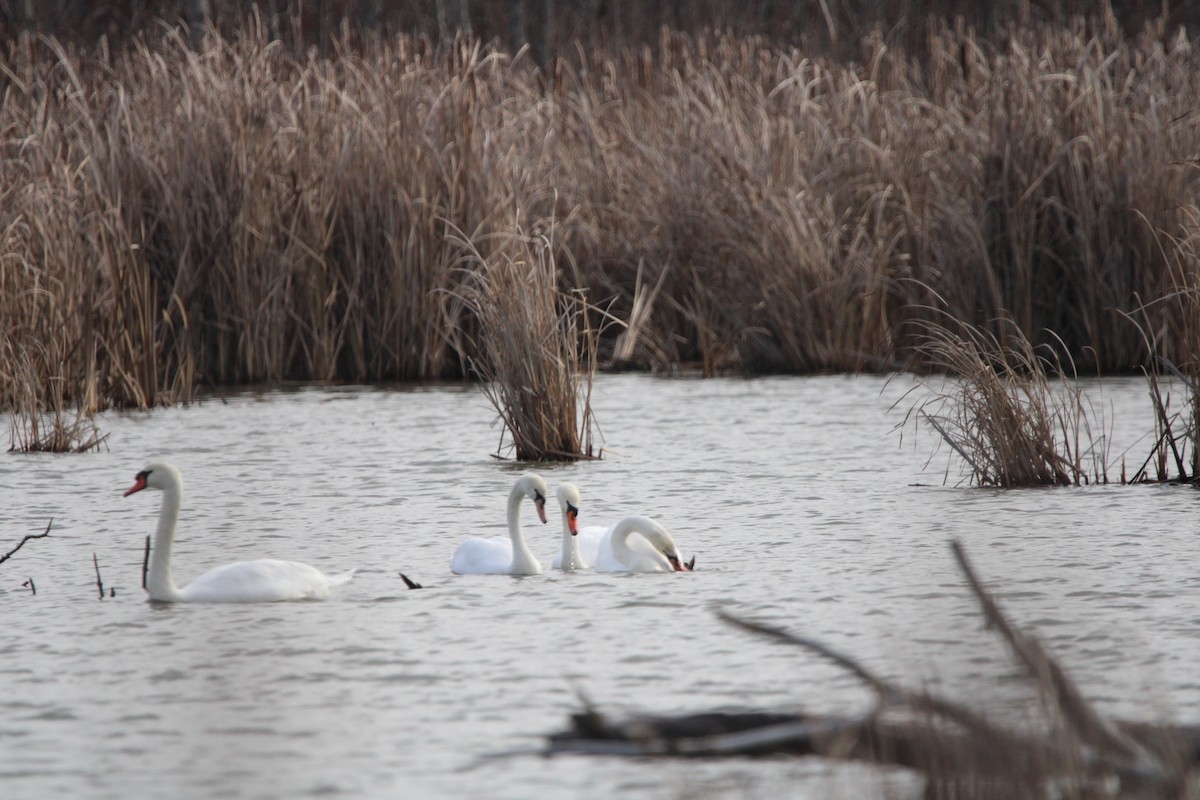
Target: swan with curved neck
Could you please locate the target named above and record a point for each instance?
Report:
(639, 544)
(505, 555)
(261, 581)
(570, 558)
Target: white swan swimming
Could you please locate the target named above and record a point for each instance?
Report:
(639, 544)
(262, 581)
(570, 558)
(499, 555)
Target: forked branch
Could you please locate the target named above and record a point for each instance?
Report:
(41, 535)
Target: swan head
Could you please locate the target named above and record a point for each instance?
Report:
(568, 501)
(664, 542)
(156, 476)
(678, 564)
(533, 487)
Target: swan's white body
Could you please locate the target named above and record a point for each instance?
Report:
(263, 581)
(570, 558)
(505, 555)
(639, 544)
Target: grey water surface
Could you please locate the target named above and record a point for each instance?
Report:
(802, 503)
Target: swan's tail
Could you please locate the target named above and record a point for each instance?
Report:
(339, 579)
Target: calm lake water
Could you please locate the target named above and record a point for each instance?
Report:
(803, 507)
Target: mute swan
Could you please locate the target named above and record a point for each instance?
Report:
(499, 555)
(639, 544)
(262, 581)
(570, 558)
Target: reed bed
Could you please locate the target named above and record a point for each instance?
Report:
(179, 213)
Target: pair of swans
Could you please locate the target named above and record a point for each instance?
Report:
(262, 581)
(635, 544)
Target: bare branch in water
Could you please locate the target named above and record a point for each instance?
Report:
(146, 561)
(41, 535)
(410, 583)
(32, 586)
(99, 582)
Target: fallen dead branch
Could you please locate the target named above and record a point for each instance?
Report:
(1073, 751)
(20, 544)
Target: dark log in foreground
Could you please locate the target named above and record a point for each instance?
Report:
(1073, 751)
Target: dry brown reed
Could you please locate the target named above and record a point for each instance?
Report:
(535, 345)
(180, 213)
(1015, 414)
(44, 418)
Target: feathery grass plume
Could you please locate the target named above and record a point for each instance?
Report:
(1015, 417)
(532, 345)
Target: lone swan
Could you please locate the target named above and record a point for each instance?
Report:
(509, 555)
(262, 581)
(639, 544)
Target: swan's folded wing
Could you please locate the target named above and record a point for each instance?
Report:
(262, 581)
(483, 556)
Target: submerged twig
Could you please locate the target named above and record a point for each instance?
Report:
(99, 582)
(41, 535)
(411, 584)
(32, 586)
(146, 561)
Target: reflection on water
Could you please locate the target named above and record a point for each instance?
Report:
(792, 493)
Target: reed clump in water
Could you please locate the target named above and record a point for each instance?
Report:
(180, 213)
(44, 418)
(533, 344)
(1177, 433)
(1016, 416)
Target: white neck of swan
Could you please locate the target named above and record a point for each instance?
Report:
(159, 583)
(523, 560)
(654, 533)
(571, 559)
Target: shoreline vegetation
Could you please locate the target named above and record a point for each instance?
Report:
(184, 208)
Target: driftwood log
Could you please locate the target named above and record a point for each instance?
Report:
(1074, 752)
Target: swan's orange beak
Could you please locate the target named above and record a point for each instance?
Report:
(540, 503)
(573, 521)
(137, 487)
